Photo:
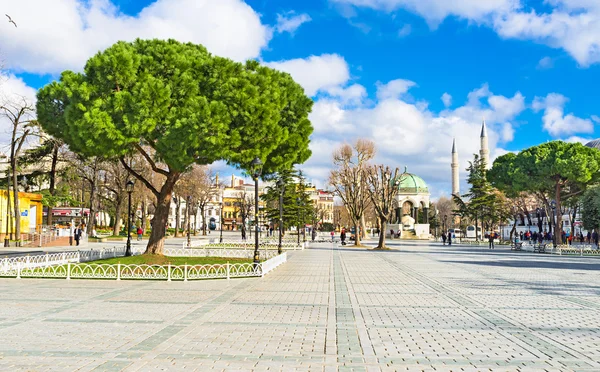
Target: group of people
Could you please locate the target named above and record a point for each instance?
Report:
(591, 237)
(448, 238)
(342, 236)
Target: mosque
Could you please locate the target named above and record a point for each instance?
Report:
(484, 153)
(411, 207)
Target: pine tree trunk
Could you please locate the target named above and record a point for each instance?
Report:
(92, 219)
(156, 242)
(52, 181)
(558, 215)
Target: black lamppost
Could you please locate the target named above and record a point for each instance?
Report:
(129, 187)
(221, 222)
(281, 187)
(553, 206)
(188, 204)
(256, 169)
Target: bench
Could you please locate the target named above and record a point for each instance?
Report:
(516, 246)
(540, 248)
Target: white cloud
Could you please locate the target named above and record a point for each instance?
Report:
(393, 89)
(404, 30)
(434, 11)
(316, 73)
(572, 25)
(555, 121)
(447, 99)
(545, 63)
(62, 34)
(408, 133)
(290, 22)
(581, 140)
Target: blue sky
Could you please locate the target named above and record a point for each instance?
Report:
(376, 68)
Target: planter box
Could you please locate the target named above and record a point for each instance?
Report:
(124, 239)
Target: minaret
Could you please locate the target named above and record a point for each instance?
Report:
(454, 165)
(484, 152)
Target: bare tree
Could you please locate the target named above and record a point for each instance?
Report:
(348, 179)
(243, 207)
(382, 189)
(199, 184)
(21, 115)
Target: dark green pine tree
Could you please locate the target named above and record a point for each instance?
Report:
(297, 205)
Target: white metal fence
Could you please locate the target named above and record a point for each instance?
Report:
(71, 265)
(243, 244)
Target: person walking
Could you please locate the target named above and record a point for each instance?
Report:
(77, 235)
(444, 238)
(449, 238)
(595, 237)
(343, 236)
(140, 233)
(491, 240)
(332, 235)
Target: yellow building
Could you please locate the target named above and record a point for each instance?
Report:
(31, 209)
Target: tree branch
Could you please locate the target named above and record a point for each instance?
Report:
(139, 177)
(150, 161)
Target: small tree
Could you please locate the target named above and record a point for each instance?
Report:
(382, 188)
(21, 115)
(348, 179)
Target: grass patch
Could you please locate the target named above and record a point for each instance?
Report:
(154, 259)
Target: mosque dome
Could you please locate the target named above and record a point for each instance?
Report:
(595, 144)
(412, 184)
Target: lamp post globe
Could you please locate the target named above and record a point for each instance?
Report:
(129, 188)
(281, 188)
(256, 170)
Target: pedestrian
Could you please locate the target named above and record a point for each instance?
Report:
(391, 233)
(444, 238)
(589, 237)
(314, 234)
(78, 232)
(343, 236)
(140, 233)
(449, 238)
(595, 237)
(332, 234)
(491, 240)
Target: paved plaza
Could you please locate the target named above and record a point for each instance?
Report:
(417, 307)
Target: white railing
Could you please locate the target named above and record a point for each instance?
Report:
(580, 249)
(271, 264)
(244, 244)
(217, 252)
(146, 272)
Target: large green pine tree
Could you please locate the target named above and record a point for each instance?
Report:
(174, 104)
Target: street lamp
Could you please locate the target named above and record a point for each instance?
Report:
(221, 222)
(281, 187)
(553, 206)
(129, 187)
(187, 207)
(256, 169)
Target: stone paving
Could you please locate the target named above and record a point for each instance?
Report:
(420, 307)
